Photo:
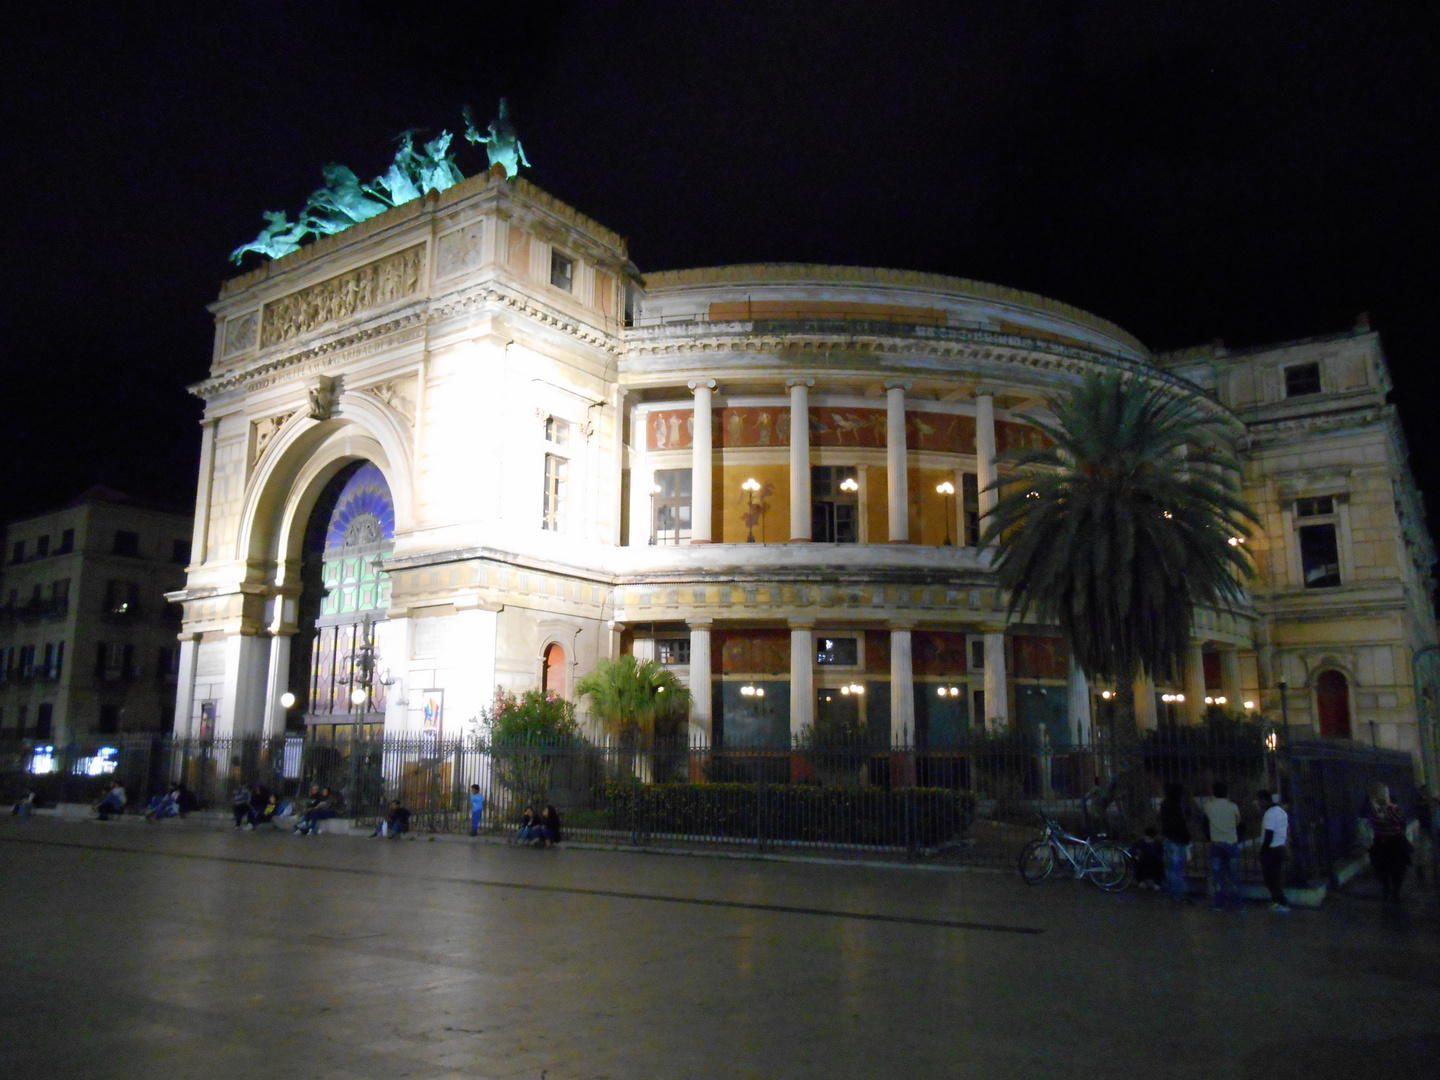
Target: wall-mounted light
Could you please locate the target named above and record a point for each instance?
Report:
(751, 690)
(849, 484)
(1249, 705)
(1106, 695)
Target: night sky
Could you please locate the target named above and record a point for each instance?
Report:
(1256, 176)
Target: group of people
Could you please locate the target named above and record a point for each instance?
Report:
(254, 807)
(539, 830)
(177, 802)
(1162, 854)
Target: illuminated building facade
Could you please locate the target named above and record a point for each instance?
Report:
(770, 477)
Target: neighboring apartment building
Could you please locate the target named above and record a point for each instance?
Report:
(87, 641)
(466, 444)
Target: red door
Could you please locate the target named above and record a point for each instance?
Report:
(553, 676)
(1332, 696)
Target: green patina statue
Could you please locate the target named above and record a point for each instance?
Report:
(345, 201)
(502, 145)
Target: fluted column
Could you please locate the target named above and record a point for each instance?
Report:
(985, 453)
(997, 697)
(800, 458)
(1194, 702)
(277, 684)
(902, 689)
(1230, 680)
(702, 455)
(702, 721)
(802, 678)
(1079, 704)
(897, 481)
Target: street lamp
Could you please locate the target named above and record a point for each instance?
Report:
(849, 484)
(750, 486)
(287, 700)
(948, 490)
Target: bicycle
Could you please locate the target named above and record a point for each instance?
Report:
(1103, 861)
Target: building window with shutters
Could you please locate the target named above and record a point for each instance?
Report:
(671, 515)
(1317, 530)
(553, 508)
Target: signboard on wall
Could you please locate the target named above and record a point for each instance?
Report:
(432, 714)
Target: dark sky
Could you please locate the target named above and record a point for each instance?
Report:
(1253, 172)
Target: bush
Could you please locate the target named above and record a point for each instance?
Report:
(522, 730)
(912, 817)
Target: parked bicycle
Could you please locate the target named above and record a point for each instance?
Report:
(1102, 860)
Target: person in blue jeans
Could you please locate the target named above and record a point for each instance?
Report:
(477, 807)
(1224, 818)
(1175, 831)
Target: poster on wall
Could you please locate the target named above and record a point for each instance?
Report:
(432, 714)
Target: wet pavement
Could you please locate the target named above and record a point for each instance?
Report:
(184, 953)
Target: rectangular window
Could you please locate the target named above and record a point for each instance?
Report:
(7, 663)
(670, 513)
(834, 504)
(122, 598)
(17, 553)
(126, 542)
(44, 720)
(562, 271)
(970, 503)
(1319, 556)
(1302, 379)
(180, 552)
(54, 661)
(837, 652)
(27, 661)
(555, 471)
(113, 663)
(1321, 506)
(42, 547)
(109, 719)
(557, 431)
(673, 651)
(167, 665)
(67, 542)
(977, 655)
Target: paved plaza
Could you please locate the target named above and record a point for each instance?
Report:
(183, 953)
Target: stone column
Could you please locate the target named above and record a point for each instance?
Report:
(642, 479)
(802, 677)
(1145, 719)
(997, 698)
(800, 458)
(902, 689)
(276, 685)
(242, 697)
(985, 453)
(199, 538)
(702, 721)
(1194, 709)
(1230, 680)
(702, 452)
(897, 480)
(185, 687)
(1080, 724)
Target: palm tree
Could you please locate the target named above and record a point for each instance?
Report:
(628, 696)
(1120, 526)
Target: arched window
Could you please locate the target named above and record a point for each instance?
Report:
(1332, 698)
(552, 676)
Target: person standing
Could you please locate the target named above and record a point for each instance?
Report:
(1274, 830)
(240, 804)
(1224, 819)
(477, 807)
(1390, 851)
(1175, 831)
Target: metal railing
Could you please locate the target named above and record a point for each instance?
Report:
(975, 801)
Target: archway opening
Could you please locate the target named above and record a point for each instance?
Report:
(336, 668)
(552, 675)
(1332, 699)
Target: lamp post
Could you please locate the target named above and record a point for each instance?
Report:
(654, 525)
(750, 486)
(947, 489)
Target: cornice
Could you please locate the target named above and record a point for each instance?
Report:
(790, 273)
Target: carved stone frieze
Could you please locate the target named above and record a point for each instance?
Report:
(371, 286)
(398, 394)
(241, 332)
(267, 429)
(459, 250)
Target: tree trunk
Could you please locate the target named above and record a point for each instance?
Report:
(1132, 789)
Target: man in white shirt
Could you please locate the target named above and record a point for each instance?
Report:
(1274, 829)
(1224, 818)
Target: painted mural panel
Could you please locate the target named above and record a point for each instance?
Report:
(1040, 657)
(749, 652)
(1010, 436)
(831, 426)
(670, 429)
(751, 425)
(944, 432)
(934, 652)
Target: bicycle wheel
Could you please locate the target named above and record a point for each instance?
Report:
(1108, 865)
(1037, 859)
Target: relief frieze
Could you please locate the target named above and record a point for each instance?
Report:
(371, 286)
(241, 332)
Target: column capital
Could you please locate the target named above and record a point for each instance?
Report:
(897, 384)
(790, 384)
(894, 625)
(695, 384)
(700, 624)
(802, 624)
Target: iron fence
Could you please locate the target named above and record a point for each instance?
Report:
(974, 802)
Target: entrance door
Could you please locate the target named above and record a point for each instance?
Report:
(1332, 698)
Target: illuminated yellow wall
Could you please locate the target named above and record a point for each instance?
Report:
(928, 508)
(877, 512)
(728, 508)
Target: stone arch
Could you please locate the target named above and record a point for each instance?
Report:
(554, 669)
(301, 459)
